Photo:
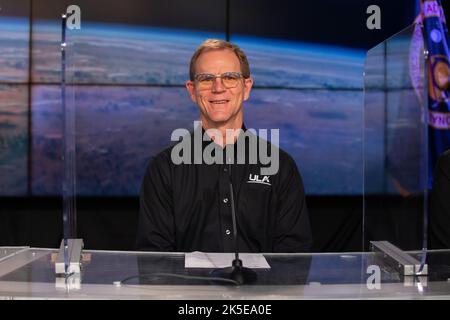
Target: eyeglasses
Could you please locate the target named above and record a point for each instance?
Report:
(206, 80)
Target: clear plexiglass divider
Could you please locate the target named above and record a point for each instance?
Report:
(68, 260)
(396, 144)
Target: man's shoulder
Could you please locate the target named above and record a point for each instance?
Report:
(162, 158)
(285, 157)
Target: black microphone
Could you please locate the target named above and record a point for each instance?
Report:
(237, 271)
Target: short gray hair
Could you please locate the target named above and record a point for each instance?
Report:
(216, 44)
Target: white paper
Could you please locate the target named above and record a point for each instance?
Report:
(199, 259)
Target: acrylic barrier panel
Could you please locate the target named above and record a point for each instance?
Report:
(395, 142)
(69, 33)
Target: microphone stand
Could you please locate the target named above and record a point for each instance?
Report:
(237, 271)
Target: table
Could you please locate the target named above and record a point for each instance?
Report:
(28, 273)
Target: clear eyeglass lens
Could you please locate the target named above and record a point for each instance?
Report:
(229, 80)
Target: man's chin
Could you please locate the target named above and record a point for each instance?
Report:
(220, 119)
(219, 122)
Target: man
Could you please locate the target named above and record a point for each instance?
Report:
(188, 207)
(440, 204)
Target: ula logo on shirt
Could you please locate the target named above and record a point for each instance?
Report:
(254, 178)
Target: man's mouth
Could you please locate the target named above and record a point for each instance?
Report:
(223, 101)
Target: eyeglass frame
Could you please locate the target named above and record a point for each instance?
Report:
(215, 76)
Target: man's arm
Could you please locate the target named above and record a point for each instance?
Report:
(156, 220)
(440, 205)
(293, 232)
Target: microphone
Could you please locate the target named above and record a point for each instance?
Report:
(237, 271)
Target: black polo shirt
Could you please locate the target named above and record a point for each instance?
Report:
(187, 207)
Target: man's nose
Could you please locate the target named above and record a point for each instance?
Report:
(218, 85)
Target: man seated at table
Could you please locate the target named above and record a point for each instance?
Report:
(187, 207)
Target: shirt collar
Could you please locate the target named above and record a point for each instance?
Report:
(205, 143)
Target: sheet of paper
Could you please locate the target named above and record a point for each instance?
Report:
(199, 259)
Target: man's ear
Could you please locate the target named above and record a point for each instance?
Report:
(248, 83)
(191, 90)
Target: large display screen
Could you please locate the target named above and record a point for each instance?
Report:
(127, 67)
